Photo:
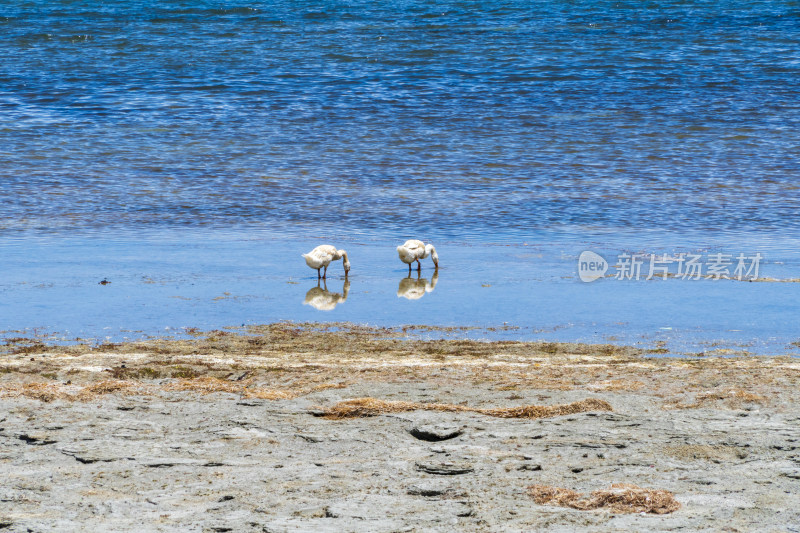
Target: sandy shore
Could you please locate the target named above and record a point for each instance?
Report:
(234, 431)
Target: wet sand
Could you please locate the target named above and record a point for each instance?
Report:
(237, 430)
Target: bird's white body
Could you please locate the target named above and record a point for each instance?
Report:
(414, 250)
(321, 257)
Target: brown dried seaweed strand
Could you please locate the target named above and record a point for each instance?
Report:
(621, 498)
(364, 407)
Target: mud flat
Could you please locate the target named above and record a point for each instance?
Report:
(303, 427)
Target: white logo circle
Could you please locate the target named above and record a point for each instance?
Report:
(591, 266)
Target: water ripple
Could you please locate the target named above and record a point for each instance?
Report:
(478, 118)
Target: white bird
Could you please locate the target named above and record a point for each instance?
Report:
(322, 255)
(414, 289)
(415, 250)
(324, 300)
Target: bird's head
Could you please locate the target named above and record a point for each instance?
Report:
(429, 249)
(345, 261)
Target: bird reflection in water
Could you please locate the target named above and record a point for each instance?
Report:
(414, 289)
(324, 300)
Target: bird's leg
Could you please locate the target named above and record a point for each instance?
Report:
(419, 266)
(325, 274)
(318, 275)
(409, 269)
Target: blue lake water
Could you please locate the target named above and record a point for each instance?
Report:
(189, 151)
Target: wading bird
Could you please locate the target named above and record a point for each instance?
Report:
(322, 255)
(415, 250)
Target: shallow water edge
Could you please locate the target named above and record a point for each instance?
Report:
(166, 283)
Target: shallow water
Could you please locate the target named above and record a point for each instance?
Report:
(160, 285)
(193, 149)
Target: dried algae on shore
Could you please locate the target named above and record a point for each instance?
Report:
(620, 498)
(285, 360)
(361, 407)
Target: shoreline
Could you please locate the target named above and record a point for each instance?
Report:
(228, 430)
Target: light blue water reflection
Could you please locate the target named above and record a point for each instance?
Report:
(160, 284)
